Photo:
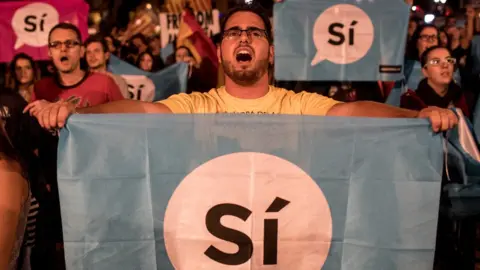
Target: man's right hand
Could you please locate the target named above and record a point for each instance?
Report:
(51, 115)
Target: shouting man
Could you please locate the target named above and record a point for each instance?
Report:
(245, 52)
(70, 82)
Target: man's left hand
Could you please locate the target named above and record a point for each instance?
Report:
(441, 119)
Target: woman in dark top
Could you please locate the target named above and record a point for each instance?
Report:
(37, 149)
(438, 88)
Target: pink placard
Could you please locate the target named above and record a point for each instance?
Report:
(24, 25)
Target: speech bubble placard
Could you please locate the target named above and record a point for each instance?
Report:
(251, 241)
(140, 87)
(332, 41)
(32, 23)
(342, 34)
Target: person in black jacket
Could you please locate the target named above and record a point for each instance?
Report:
(38, 149)
(15, 203)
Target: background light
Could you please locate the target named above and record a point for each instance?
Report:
(414, 8)
(148, 6)
(443, 1)
(429, 18)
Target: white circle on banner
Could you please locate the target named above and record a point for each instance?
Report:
(342, 34)
(248, 211)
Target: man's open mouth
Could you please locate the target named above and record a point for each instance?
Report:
(63, 59)
(445, 73)
(244, 55)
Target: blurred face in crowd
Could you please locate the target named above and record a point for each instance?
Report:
(462, 32)
(146, 62)
(65, 50)
(453, 32)
(428, 38)
(139, 44)
(439, 67)
(443, 39)
(95, 56)
(245, 51)
(183, 55)
(412, 26)
(155, 44)
(111, 47)
(451, 21)
(24, 71)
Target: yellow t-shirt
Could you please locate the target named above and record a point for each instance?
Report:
(276, 101)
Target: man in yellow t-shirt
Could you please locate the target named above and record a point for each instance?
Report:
(245, 53)
(275, 101)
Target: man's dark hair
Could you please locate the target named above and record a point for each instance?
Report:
(253, 8)
(97, 38)
(66, 26)
(141, 37)
(424, 57)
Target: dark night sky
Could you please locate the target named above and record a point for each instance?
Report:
(426, 4)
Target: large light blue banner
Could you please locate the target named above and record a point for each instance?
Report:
(332, 40)
(148, 86)
(248, 192)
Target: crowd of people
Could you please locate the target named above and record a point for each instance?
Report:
(36, 102)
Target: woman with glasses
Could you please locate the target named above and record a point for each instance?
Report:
(14, 202)
(424, 37)
(437, 88)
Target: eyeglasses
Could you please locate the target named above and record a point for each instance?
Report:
(429, 38)
(438, 61)
(68, 43)
(252, 32)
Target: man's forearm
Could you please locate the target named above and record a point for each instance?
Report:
(125, 106)
(370, 109)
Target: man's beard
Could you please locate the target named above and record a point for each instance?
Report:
(246, 77)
